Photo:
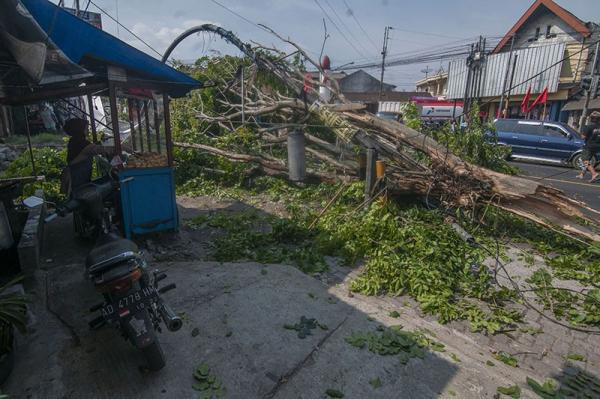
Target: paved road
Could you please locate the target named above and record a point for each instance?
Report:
(564, 179)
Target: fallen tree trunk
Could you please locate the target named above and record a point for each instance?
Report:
(271, 166)
(521, 196)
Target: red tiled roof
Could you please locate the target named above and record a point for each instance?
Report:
(570, 19)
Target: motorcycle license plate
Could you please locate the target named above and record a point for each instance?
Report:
(129, 304)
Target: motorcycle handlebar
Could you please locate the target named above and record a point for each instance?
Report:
(68, 207)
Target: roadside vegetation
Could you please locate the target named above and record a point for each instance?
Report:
(402, 248)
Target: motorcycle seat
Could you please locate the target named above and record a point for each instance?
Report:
(113, 252)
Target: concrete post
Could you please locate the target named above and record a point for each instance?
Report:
(371, 170)
(296, 156)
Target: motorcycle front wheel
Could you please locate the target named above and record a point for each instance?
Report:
(155, 358)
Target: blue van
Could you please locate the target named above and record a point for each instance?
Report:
(543, 142)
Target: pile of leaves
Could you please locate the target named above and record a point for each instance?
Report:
(207, 384)
(394, 341)
(304, 326)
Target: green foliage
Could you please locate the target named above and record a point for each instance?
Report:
(577, 308)
(376, 383)
(207, 384)
(49, 162)
(38, 139)
(507, 359)
(512, 391)
(334, 393)
(393, 341)
(477, 143)
(265, 239)
(13, 314)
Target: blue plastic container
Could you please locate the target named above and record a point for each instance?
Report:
(148, 200)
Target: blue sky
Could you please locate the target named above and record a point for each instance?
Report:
(419, 25)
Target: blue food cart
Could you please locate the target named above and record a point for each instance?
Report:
(97, 64)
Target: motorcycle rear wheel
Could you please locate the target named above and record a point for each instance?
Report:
(155, 357)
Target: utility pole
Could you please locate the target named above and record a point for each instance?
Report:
(512, 78)
(588, 94)
(386, 38)
(510, 54)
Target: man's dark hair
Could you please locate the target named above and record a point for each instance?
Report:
(75, 127)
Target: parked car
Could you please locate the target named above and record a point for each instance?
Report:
(543, 142)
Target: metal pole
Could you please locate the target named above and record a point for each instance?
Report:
(384, 53)
(29, 141)
(588, 95)
(512, 78)
(243, 96)
(131, 124)
(296, 156)
(510, 54)
(139, 118)
(90, 101)
(147, 120)
(156, 125)
(114, 117)
(467, 84)
(168, 138)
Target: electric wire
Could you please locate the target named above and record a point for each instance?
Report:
(124, 27)
(346, 27)
(338, 29)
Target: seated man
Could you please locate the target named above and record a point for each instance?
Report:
(80, 152)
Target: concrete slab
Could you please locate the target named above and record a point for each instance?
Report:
(239, 311)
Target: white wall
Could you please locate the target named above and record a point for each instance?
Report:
(564, 33)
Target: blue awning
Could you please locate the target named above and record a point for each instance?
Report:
(86, 45)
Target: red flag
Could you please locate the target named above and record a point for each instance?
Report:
(525, 102)
(541, 99)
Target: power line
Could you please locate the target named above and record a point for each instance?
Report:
(345, 26)
(238, 15)
(124, 27)
(351, 12)
(338, 29)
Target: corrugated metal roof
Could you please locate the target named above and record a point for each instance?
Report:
(530, 62)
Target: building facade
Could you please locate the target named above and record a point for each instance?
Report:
(547, 48)
(436, 85)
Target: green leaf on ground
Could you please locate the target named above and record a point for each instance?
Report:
(376, 383)
(512, 391)
(334, 393)
(394, 314)
(548, 389)
(490, 363)
(576, 357)
(455, 358)
(507, 359)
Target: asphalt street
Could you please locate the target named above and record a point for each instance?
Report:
(564, 179)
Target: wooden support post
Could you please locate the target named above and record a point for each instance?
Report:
(168, 138)
(370, 173)
(90, 101)
(139, 119)
(131, 124)
(362, 165)
(114, 117)
(29, 141)
(156, 125)
(147, 121)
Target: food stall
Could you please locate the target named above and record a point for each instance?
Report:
(81, 60)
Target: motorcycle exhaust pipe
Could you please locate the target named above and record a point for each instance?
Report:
(172, 321)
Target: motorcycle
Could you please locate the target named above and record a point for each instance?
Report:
(131, 294)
